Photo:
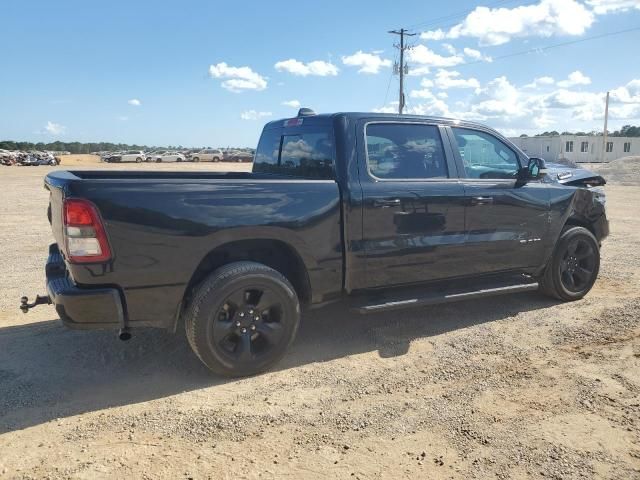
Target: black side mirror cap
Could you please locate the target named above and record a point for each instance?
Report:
(535, 170)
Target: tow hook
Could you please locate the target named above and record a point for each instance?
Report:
(40, 300)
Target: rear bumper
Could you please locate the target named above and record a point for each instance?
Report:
(81, 308)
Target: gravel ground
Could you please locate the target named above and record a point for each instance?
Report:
(515, 387)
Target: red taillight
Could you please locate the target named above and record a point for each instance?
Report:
(85, 238)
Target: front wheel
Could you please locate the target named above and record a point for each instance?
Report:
(138, 160)
(574, 266)
(196, 159)
(158, 160)
(242, 319)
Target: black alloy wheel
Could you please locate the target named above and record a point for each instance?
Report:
(578, 265)
(248, 325)
(573, 268)
(242, 318)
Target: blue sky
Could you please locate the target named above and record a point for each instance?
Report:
(211, 73)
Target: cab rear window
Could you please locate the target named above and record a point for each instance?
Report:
(307, 153)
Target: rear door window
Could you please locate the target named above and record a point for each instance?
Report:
(405, 151)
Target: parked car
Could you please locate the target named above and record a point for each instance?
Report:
(376, 211)
(208, 155)
(166, 156)
(128, 156)
(237, 156)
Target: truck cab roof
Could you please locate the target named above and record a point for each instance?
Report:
(327, 118)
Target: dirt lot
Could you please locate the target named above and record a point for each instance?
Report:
(514, 387)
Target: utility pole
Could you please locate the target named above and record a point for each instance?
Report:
(604, 137)
(402, 69)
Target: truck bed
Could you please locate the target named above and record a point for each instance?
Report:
(162, 225)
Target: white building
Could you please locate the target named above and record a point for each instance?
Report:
(582, 148)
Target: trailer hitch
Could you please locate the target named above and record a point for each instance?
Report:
(40, 300)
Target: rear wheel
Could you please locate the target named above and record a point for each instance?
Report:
(242, 319)
(215, 159)
(574, 267)
(158, 160)
(196, 159)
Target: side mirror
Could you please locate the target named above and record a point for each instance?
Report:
(535, 170)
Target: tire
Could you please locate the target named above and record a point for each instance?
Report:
(138, 160)
(574, 266)
(178, 159)
(196, 159)
(215, 159)
(227, 333)
(158, 160)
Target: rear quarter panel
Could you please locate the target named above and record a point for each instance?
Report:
(161, 229)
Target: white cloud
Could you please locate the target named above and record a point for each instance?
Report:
(54, 128)
(429, 104)
(451, 50)
(476, 54)
(423, 55)
(630, 93)
(254, 115)
(368, 62)
(436, 35)
(511, 108)
(496, 26)
(122, 118)
(451, 79)
(602, 7)
(540, 81)
(575, 78)
(386, 109)
(291, 103)
(317, 67)
(237, 79)
(419, 71)
(135, 102)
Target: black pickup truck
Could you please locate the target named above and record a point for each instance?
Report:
(378, 211)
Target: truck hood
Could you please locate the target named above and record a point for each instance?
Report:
(573, 176)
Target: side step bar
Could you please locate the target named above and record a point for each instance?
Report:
(436, 298)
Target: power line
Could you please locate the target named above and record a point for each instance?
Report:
(386, 95)
(549, 47)
(438, 20)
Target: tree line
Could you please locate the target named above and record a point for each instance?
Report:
(625, 131)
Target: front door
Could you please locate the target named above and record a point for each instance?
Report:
(413, 205)
(506, 221)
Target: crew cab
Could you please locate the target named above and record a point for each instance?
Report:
(376, 211)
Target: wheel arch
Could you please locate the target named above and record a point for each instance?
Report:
(275, 253)
(576, 220)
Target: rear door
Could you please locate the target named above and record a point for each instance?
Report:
(506, 221)
(413, 204)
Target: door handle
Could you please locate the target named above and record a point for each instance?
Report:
(481, 200)
(386, 202)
